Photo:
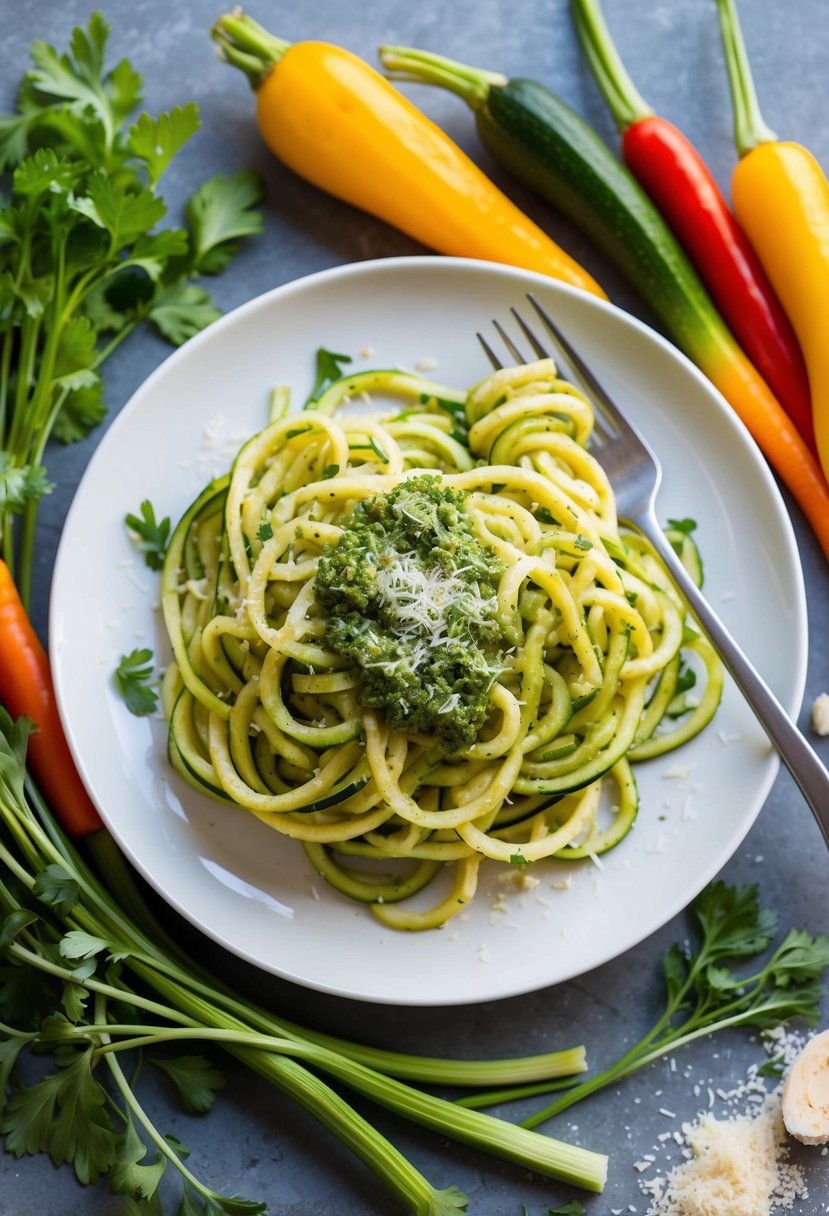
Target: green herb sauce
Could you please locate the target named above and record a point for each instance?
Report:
(410, 595)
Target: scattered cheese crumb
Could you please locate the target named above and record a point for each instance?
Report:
(820, 714)
(678, 772)
(427, 364)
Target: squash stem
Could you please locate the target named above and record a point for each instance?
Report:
(472, 84)
(247, 45)
(750, 128)
(625, 102)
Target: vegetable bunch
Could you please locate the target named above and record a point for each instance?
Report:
(84, 258)
(681, 186)
(549, 147)
(92, 979)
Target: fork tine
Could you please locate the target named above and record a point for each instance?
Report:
(489, 352)
(577, 365)
(531, 337)
(508, 342)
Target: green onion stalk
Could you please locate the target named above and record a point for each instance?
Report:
(60, 919)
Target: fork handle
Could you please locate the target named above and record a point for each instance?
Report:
(796, 753)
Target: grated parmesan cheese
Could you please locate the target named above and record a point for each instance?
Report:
(737, 1164)
(738, 1167)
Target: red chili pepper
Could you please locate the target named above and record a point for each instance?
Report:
(26, 691)
(674, 175)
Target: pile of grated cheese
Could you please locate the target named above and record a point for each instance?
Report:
(739, 1167)
(737, 1164)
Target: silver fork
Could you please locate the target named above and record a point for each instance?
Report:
(635, 474)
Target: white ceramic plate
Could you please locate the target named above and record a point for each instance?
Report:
(252, 890)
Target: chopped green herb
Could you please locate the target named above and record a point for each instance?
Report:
(153, 536)
(581, 542)
(377, 449)
(773, 1068)
(574, 1208)
(302, 430)
(132, 676)
(330, 471)
(518, 859)
(682, 525)
(265, 531)
(328, 370)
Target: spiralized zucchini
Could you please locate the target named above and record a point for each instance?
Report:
(591, 672)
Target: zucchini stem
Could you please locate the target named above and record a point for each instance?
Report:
(472, 84)
(625, 102)
(247, 45)
(750, 127)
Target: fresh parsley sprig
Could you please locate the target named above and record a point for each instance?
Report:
(153, 535)
(88, 979)
(84, 255)
(703, 994)
(132, 679)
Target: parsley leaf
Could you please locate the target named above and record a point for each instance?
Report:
(132, 676)
(328, 370)
(683, 525)
(153, 535)
(82, 410)
(57, 887)
(265, 531)
(20, 486)
(128, 1176)
(182, 310)
(195, 1079)
(157, 140)
(65, 1115)
(219, 214)
(574, 1208)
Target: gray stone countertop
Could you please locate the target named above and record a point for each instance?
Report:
(255, 1143)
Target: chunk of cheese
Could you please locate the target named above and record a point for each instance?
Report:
(806, 1093)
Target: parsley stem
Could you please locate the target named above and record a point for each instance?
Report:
(161, 1143)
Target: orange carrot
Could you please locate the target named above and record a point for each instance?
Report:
(26, 690)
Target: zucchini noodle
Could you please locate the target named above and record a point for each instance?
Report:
(534, 648)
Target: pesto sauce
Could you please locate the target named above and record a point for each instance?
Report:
(410, 595)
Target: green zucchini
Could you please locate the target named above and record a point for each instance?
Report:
(390, 381)
(622, 821)
(365, 886)
(550, 148)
